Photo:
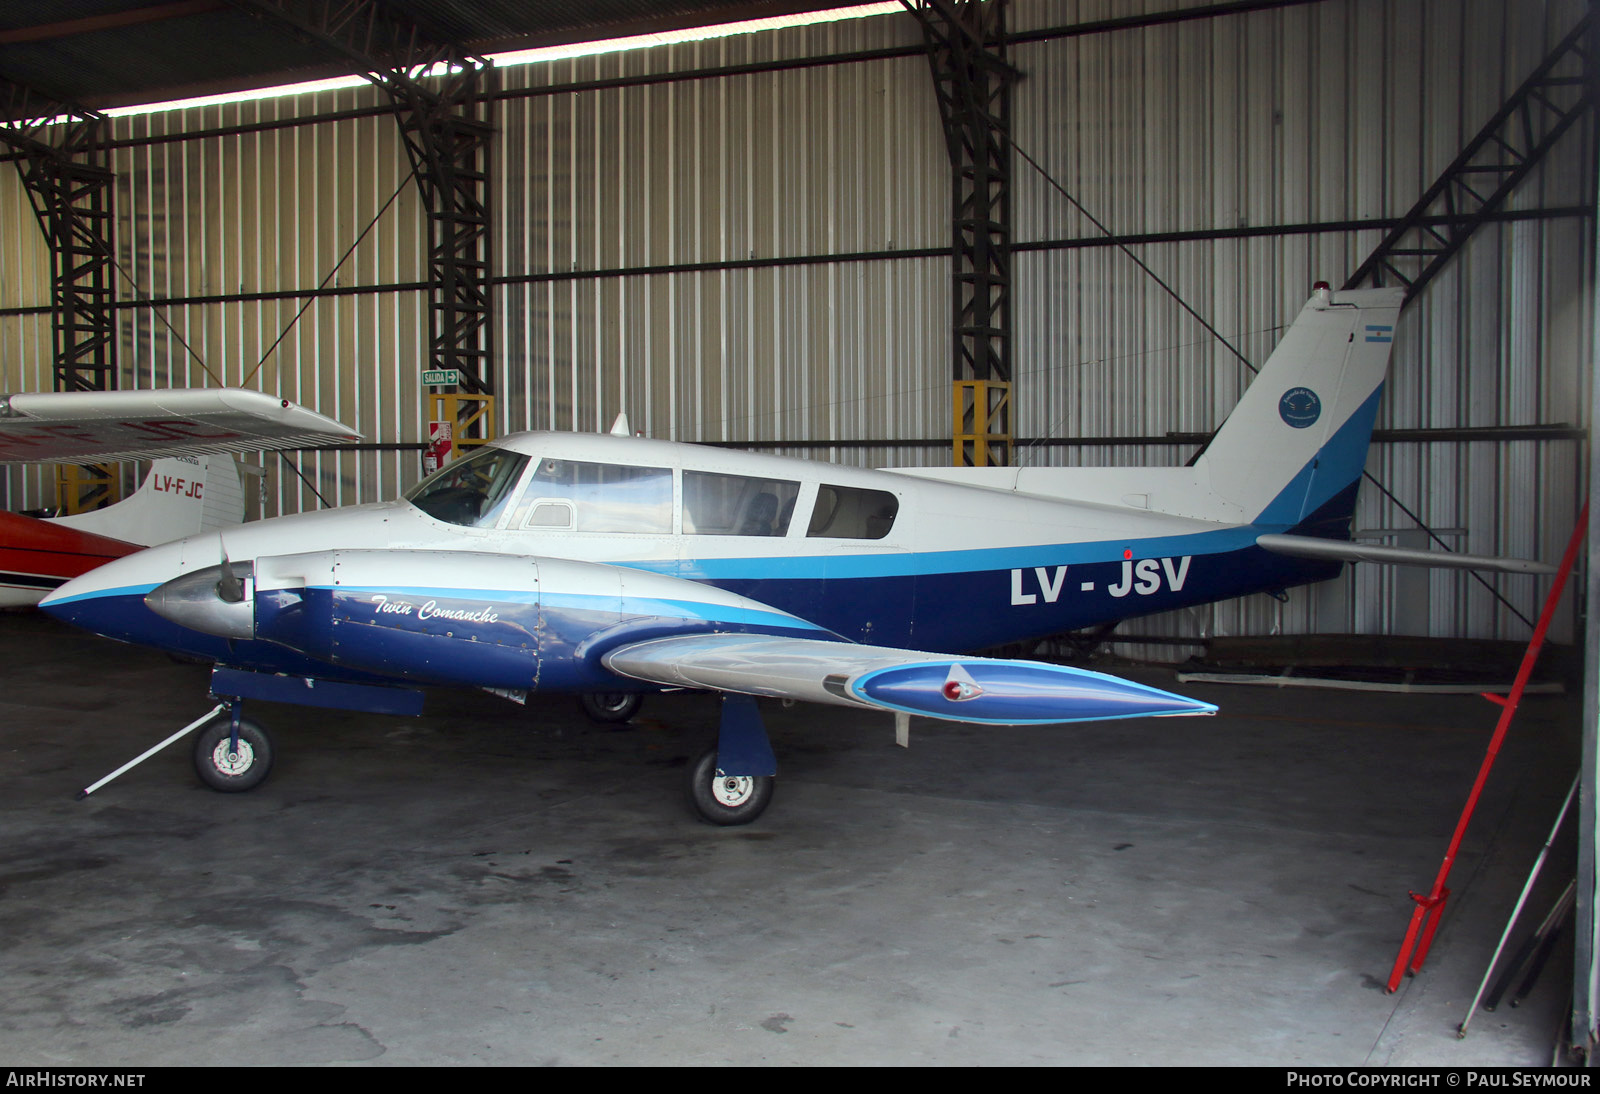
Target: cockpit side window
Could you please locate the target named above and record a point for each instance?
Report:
(737, 505)
(606, 497)
(847, 512)
(472, 491)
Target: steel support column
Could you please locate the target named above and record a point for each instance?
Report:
(69, 183)
(972, 82)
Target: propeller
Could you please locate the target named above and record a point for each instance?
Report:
(229, 587)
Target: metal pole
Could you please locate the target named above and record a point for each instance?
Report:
(1430, 908)
(143, 756)
(1533, 875)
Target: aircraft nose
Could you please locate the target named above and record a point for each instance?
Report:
(91, 602)
(110, 600)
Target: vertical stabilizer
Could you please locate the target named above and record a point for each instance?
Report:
(180, 496)
(1292, 452)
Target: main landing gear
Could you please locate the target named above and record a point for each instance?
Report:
(723, 799)
(610, 707)
(732, 782)
(729, 783)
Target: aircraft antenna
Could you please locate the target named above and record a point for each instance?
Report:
(1137, 261)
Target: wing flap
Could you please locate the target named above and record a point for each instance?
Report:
(1347, 551)
(987, 691)
(76, 426)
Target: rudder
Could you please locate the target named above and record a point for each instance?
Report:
(1292, 452)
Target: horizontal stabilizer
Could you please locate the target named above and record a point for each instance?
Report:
(1345, 551)
(962, 689)
(79, 426)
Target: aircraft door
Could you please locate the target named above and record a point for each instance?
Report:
(869, 589)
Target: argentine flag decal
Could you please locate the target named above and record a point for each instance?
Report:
(1379, 334)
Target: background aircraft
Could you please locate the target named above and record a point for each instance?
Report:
(593, 563)
(180, 496)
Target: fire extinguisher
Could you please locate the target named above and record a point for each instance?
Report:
(437, 454)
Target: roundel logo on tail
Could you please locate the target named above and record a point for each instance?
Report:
(1300, 407)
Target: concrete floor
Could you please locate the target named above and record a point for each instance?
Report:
(491, 885)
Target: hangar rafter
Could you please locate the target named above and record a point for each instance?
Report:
(1488, 169)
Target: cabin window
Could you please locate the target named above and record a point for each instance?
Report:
(737, 505)
(605, 497)
(471, 491)
(846, 512)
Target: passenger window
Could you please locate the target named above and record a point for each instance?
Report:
(605, 497)
(845, 512)
(736, 505)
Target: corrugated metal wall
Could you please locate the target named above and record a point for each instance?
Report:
(776, 165)
(664, 251)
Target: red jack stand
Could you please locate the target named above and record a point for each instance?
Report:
(1430, 908)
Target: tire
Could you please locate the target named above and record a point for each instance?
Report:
(724, 799)
(610, 707)
(245, 771)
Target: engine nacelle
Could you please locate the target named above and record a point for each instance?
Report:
(456, 618)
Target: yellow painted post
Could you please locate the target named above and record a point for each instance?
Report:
(464, 412)
(982, 431)
(82, 488)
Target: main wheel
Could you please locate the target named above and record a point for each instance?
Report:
(610, 707)
(726, 799)
(222, 768)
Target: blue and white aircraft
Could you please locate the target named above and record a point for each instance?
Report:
(612, 564)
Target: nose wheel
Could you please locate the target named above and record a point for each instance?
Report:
(228, 765)
(723, 799)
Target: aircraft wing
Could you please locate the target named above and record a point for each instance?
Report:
(1346, 551)
(77, 426)
(965, 689)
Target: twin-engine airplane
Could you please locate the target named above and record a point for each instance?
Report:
(194, 489)
(614, 564)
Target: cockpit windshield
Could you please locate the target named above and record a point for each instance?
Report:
(472, 491)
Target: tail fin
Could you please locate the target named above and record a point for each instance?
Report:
(1292, 452)
(179, 497)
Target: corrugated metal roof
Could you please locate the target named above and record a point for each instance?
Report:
(101, 53)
